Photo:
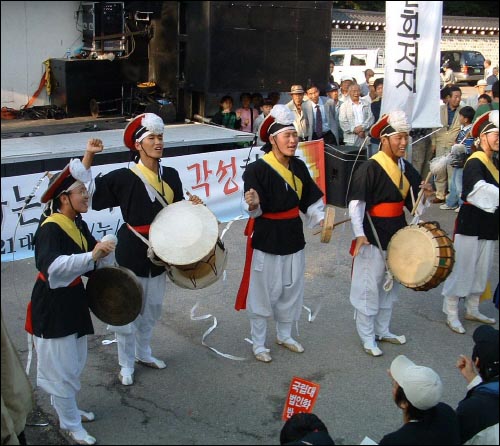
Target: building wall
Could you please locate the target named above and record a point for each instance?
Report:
(33, 32)
(349, 38)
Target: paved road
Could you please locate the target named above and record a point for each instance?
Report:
(203, 398)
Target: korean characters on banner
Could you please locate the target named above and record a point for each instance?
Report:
(301, 397)
(216, 177)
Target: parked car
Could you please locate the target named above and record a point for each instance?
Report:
(468, 66)
(355, 62)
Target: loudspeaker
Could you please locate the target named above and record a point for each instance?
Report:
(340, 164)
(255, 46)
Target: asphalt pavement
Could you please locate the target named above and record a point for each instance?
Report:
(205, 398)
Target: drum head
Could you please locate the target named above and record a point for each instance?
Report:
(115, 295)
(413, 256)
(183, 233)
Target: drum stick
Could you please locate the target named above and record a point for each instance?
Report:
(420, 194)
(335, 224)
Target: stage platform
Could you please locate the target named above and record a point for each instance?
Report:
(52, 143)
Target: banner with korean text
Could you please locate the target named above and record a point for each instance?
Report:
(216, 177)
(412, 56)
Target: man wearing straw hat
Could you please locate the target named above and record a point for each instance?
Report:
(141, 193)
(476, 228)
(300, 123)
(379, 191)
(277, 187)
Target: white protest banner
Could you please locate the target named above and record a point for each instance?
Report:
(412, 49)
(216, 177)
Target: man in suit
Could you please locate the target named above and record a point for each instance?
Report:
(321, 117)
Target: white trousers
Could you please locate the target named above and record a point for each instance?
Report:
(373, 305)
(473, 262)
(134, 339)
(258, 331)
(276, 289)
(60, 362)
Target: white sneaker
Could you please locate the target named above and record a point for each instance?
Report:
(263, 356)
(154, 363)
(373, 350)
(457, 210)
(392, 338)
(445, 207)
(82, 437)
(479, 317)
(126, 380)
(291, 344)
(87, 417)
(456, 326)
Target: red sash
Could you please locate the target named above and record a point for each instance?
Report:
(387, 209)
(241, 297)
(28, 324)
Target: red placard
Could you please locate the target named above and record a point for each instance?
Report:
(301, 397)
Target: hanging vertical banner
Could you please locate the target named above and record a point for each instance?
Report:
(412, 50)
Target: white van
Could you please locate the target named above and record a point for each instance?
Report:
(355, 62)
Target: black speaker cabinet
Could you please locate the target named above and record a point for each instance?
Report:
(340, 164)
(255, 46)
(75, 82)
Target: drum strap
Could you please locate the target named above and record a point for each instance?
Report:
(151, 255)
(241, 297)
(150, 188)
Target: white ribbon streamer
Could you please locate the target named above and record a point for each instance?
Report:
(212, 328)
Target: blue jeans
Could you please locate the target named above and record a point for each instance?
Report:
(453, 198)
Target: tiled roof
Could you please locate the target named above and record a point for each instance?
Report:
(368, 18)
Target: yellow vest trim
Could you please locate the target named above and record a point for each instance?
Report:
(481, 156)
(285, 173)
(69, 227)
(394, 172)
(152, 179)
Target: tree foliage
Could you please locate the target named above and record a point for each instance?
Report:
(471, 9)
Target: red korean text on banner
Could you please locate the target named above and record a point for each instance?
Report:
(301, 397)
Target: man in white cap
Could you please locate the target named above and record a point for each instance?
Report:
(472, 100)
(417, 391)
(476, 230)
(141, 192)
(379, 192)
(59, 316)
(277, 186)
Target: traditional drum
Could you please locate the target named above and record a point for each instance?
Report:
(115, 295)
(185, 237)
(421, 256)
(327, 229)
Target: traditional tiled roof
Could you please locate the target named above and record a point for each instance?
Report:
(354, 19)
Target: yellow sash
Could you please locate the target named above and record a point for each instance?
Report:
(481, 156)
(283, 172)
(152, 179)
(69, 227)
(393, 170)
